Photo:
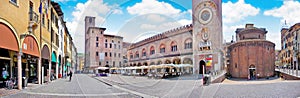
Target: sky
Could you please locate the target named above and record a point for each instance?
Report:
(138, 19)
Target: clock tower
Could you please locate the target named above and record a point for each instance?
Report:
(207, 36)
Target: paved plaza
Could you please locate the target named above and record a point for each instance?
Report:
(119, 86)
(81, 86)
(187, 87)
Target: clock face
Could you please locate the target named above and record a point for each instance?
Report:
(205, 15)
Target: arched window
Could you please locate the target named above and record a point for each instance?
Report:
(152, 50)
(162, 48)
(137, 54)
(188, 44)
(144, 52)
(131, 55)
(173, 46)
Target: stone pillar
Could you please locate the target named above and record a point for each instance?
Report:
(11, 64)
(56, 70)
(43, 76)
(39, 70)
(19, 71)
(49, 71)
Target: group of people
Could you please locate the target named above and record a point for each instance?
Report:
(9, 82)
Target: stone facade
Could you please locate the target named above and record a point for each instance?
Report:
(174, 46)
(290, 47)
(252, 55)
(207, 36)
(199, 44)
(101, 49)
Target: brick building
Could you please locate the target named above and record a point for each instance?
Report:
(101, 49)
(199, 44)
(252, 55)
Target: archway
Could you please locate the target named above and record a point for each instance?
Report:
(252, 72)
(139, 64)
(167, 62)
(45, 63)
(188, 61)
(53, 70)
(159, 62)
(202, 67)
(176, 61)
(145, 64)
(152, 63)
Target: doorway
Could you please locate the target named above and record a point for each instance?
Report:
(202, 67)
(252, 72)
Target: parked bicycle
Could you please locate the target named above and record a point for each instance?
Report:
(11, 83)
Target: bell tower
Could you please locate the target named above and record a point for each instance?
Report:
(207, 36)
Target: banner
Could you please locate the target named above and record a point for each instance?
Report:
(209, 60)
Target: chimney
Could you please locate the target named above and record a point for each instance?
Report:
(249, 26)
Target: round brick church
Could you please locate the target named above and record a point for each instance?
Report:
(251, 56)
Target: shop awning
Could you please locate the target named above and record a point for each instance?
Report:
(68, 64)
(53, 59)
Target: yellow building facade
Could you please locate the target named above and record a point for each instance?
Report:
(29, 40)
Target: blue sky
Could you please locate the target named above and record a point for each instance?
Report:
(138, 19)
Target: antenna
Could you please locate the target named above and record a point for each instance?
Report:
(285, 24)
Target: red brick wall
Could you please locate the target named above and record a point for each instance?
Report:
(261, 54)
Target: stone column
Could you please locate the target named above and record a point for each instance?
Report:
(11, 64)
(19, 71)
(49, 71)
(43, 76)
(39, 70)
(56, 70)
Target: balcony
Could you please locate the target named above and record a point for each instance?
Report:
(33, 20)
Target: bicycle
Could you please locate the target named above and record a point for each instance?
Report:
(11, 83)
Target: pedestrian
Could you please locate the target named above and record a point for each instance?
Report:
(70, 75)
(4, 76)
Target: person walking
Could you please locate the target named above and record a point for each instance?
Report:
(70, 75)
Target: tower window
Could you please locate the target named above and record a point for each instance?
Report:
(90, 20)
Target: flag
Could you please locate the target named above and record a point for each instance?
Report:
(40, 8)
(46, 8)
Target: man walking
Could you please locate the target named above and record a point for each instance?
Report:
(70, 74)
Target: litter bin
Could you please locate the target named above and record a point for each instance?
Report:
(24, 82)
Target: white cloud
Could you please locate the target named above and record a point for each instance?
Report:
(289, 11)
(185, 21)
(95, 8)
(153, 6)
(155, 18)
(229, 31)
(275, 38)
(234, 12)
(148, 26)
(164, 26)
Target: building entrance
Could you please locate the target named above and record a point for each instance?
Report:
(252, 72)
(202, 67)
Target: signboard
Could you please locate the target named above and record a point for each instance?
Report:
(208, 60)
(101, 56)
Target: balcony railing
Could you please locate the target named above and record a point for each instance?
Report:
(33, 17)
